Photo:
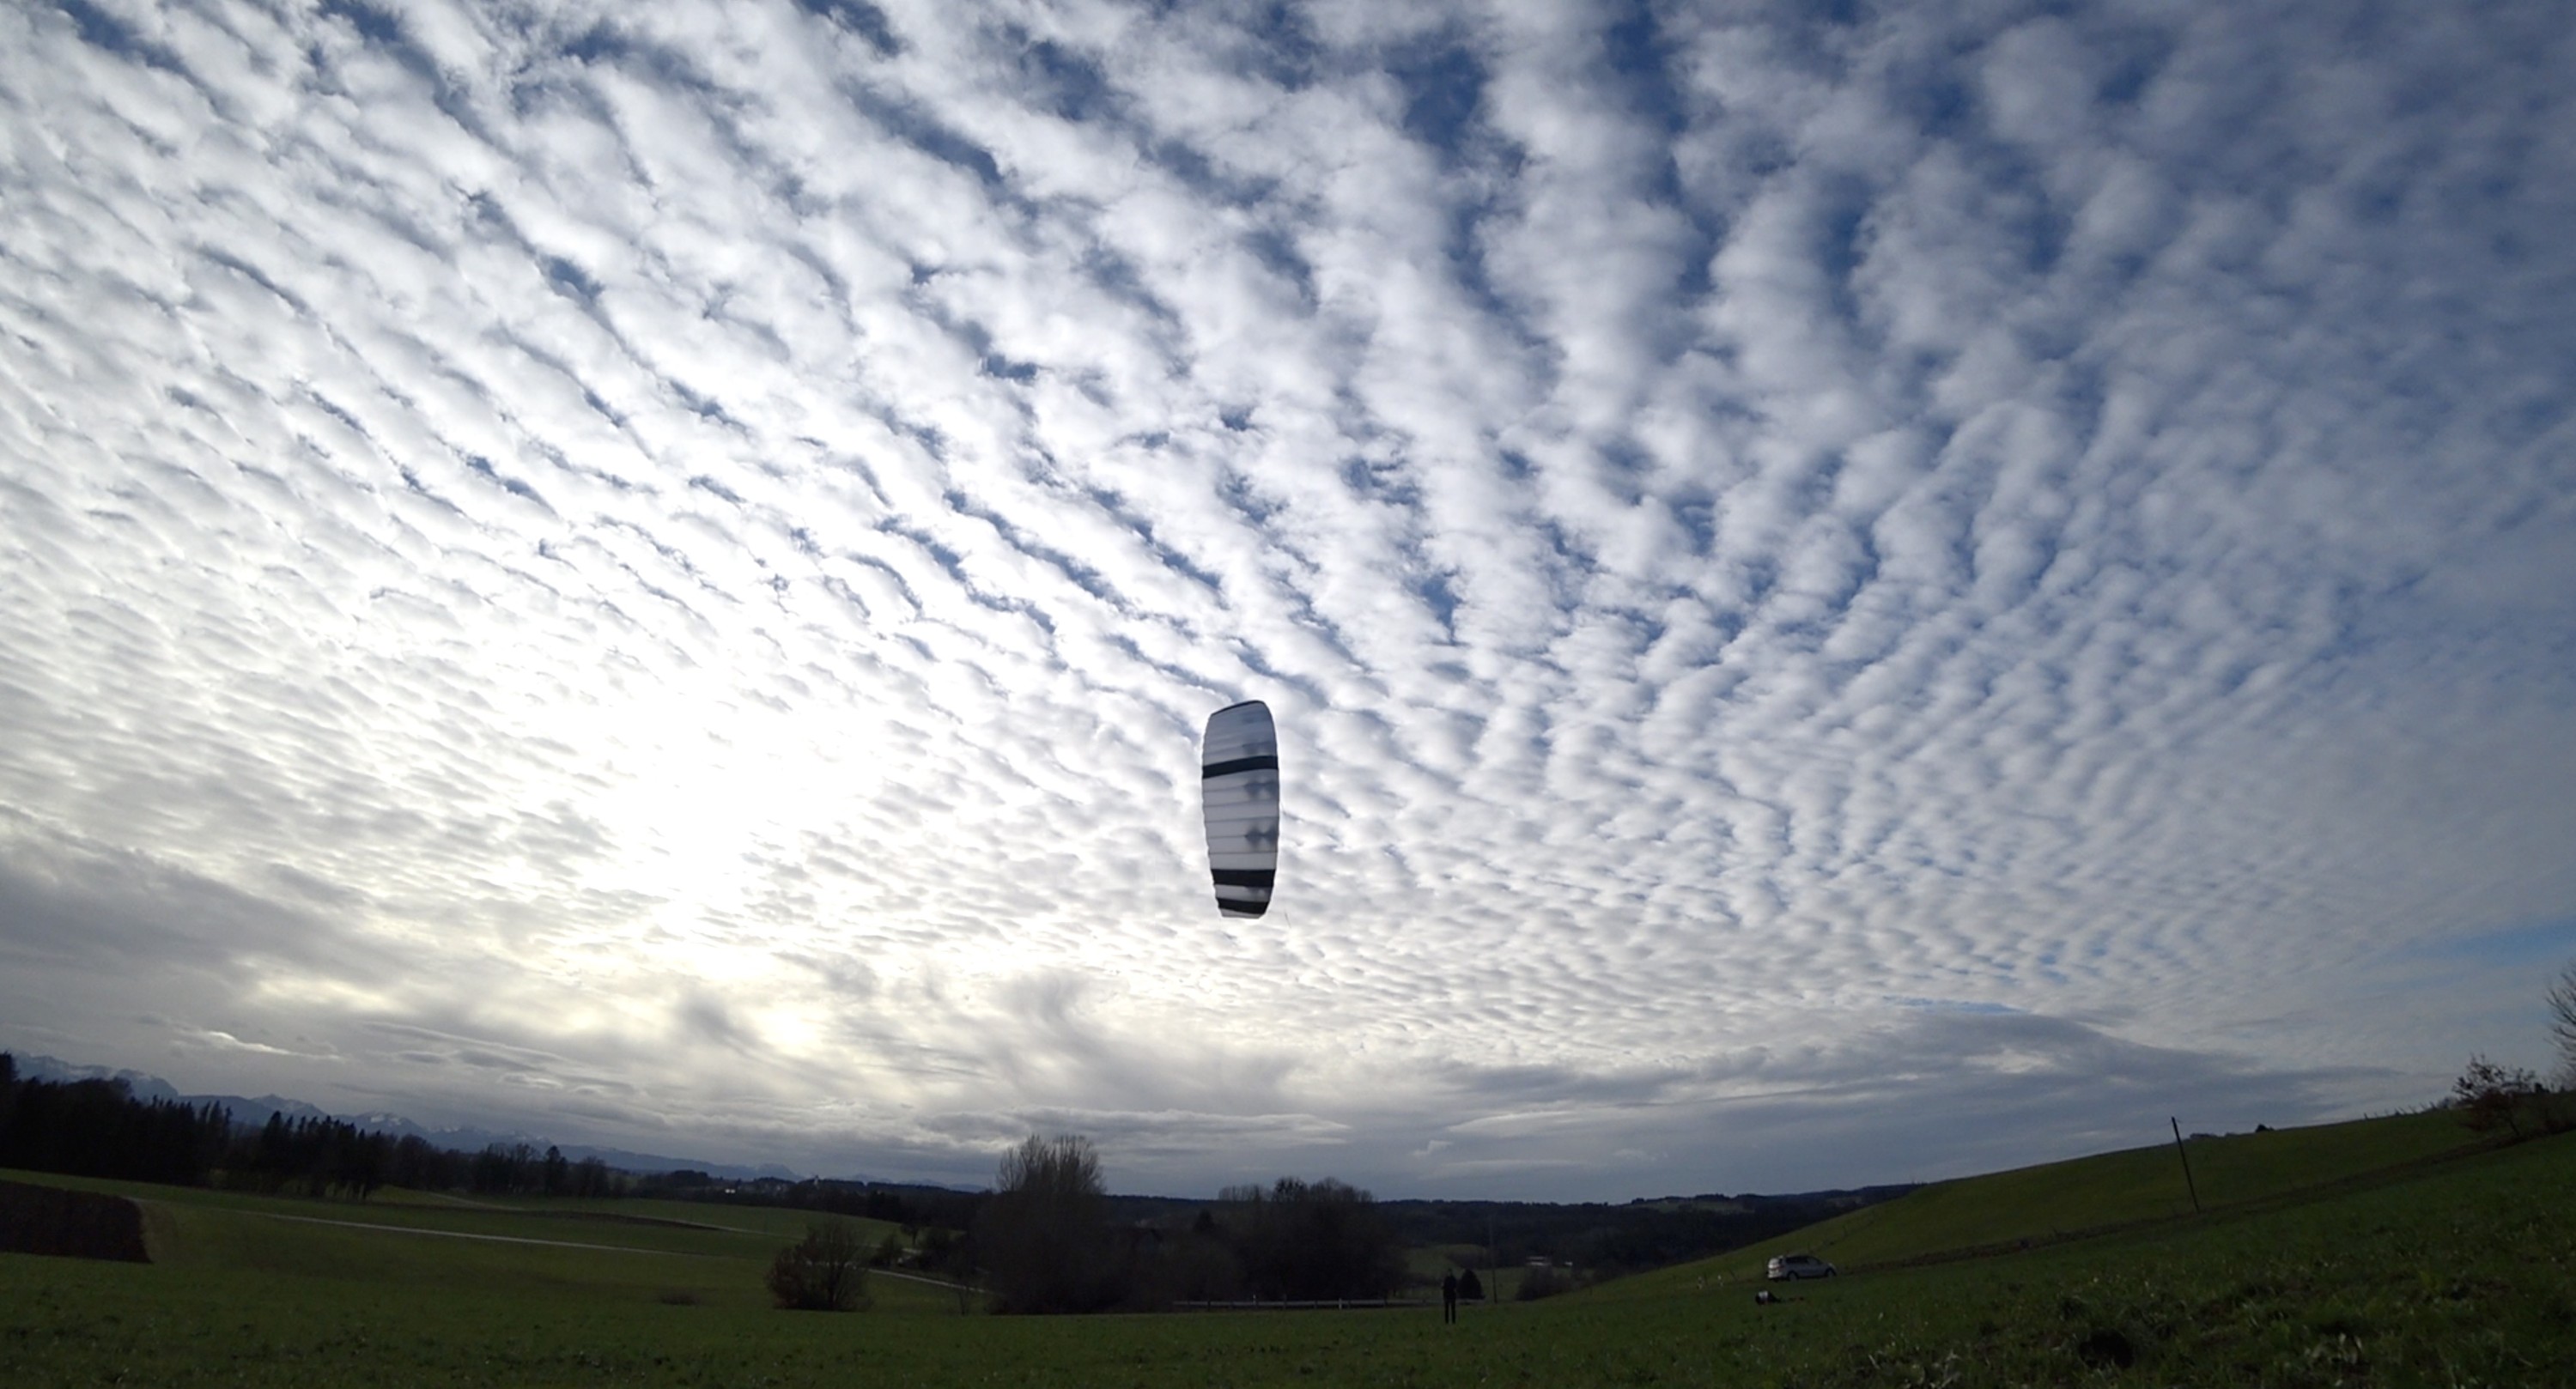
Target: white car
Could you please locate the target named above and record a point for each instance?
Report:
(1788, 1267)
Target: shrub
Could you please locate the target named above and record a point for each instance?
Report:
(824, 1272)
(2492, 1096)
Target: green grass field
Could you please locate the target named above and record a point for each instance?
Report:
(414, 1246)
(2111, 1191)
(2460, 1271)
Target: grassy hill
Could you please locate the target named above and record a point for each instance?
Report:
(424, 1245)
(2043, 1204)
(2452, 1271)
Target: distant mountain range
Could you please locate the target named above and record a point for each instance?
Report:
(254, 1111)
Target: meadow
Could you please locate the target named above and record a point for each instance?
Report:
(2371, 1254)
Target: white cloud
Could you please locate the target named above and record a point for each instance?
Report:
(656, 573)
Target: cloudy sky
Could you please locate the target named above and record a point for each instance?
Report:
(1852, 594)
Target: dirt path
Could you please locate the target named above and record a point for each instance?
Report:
(493, 1239)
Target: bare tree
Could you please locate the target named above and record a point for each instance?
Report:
(2562, 1024)
(1042, 1238)
(827, 1271)
(1313, 1240)
(2491, 1096)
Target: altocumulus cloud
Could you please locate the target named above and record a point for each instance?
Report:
(1848, 597)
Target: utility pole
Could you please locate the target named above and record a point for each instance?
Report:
(2188, 1184)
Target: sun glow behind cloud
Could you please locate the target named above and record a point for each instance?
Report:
(1872, 578)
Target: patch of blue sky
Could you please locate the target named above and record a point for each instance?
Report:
(1203, 175)
(1277, 251)
(1444, 86)
(102, 30)
(1640, 55)
(1283, 47)
(570, 279)
(1073, 569)
(1066, 83)
(1273, 676)
(1956, 1005)
(483, 466)
(927, 134)
(1432, 587)
(860, 18)
(372, 24)
(2538, 943)
(605, 44)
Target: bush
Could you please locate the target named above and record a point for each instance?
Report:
(2492, 1096)
(824, 1272)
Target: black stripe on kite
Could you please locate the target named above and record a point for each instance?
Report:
(1213, 770)
(1231, 907)
(1244, 877)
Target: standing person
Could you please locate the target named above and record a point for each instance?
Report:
(1449, 1296)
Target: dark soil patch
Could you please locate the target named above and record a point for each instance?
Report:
(2106, 1348)
(79, 1224)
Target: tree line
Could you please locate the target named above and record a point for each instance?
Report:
(916, 1208)
(1044, 1241)
(99, 1128)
